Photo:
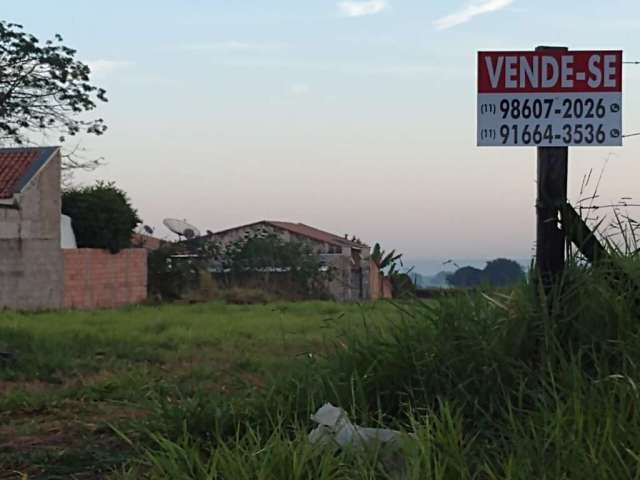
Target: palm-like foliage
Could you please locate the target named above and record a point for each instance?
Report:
(386, 261)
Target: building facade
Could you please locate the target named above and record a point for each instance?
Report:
(31, 261)
(38, 271)
(349, 260)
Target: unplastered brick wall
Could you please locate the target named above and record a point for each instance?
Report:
(95, 278)
(379, 284)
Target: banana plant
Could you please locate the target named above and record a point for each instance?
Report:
(386, 261)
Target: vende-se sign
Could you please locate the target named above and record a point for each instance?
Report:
(553, 98)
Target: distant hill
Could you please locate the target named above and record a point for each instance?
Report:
(432, 273)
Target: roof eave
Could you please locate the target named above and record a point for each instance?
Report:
(9, 202)
(46, 154)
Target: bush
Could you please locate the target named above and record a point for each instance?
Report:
(402, 285)
(263, 259)
(168, 279)
(101, 216)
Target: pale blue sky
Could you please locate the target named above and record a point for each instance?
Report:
(354, 117)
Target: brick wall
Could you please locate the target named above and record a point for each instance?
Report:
(387, 288)
(375, 281)
(379, 285)
(97, 279)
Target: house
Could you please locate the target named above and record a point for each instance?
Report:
(40, 268)
(31, 260)
(354, 272)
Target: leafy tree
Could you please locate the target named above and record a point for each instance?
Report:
(44, 89)
(268, 253)
(500, 272)
(466, 277)
(101, 216)
(503, 272)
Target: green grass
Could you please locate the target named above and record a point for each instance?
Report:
(51, 346)
(493, 385)
(77, 373)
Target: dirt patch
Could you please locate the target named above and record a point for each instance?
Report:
(63, 425)
(30, 387)
(74, 437)
(38, 386)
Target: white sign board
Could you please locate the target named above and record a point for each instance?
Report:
(550, 98)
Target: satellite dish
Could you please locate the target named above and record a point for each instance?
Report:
(181, 228)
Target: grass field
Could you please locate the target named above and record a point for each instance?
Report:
(77, 374)
(493, 385)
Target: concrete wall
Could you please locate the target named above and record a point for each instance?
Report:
(95, 278)
(351, 275)
(30, 256)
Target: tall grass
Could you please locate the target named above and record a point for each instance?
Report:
(494, 386)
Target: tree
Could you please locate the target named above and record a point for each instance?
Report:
(503, 272)
(263, 254)
(44, 89)
(101, 216)
(386, 260)
(466, 277)
(500, 272)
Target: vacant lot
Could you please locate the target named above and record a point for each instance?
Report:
(74, 376)
(493, 385)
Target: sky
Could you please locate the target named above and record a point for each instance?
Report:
(356, 117)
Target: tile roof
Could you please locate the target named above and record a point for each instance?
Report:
(19, 165)
(302, 230)
(313, 233)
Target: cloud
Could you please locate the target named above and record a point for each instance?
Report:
(469, 11)
(103, 67)
(360, 9)
(300, 89)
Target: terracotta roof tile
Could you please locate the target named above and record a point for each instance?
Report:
(302, 230)
(313, 233)
(18, 165)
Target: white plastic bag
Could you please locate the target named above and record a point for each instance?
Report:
(334, 425)
(335, 428)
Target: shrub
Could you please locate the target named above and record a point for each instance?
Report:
(168, 279)
(262, 259)
(101, 216)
